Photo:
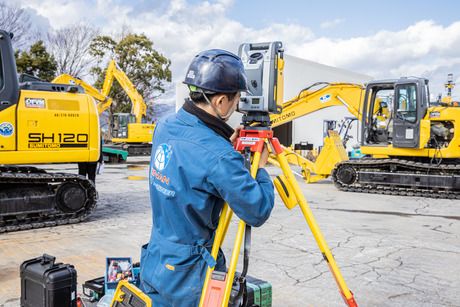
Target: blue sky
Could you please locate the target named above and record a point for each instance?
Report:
(359, 17)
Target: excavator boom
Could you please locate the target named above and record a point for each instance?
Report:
(313, 99)
(139, 108)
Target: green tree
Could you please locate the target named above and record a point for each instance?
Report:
(37, 62)
(147, 69)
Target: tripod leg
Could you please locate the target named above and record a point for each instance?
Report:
(226, 224)
(224, 221)
(308, 214)
(221, 231)
(238, 240)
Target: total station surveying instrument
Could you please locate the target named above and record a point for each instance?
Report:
(264, 65)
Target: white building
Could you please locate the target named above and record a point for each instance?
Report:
(299, 74)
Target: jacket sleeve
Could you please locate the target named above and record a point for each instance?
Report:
(251, 199)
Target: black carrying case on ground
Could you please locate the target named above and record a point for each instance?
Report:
(45, 283)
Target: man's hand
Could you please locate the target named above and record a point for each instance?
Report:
(236, 134)
(263, 157)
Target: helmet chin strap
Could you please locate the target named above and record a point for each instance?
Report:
(223, 118)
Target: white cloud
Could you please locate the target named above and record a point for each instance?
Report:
(329, 24)
(423, 49)
(180, 29)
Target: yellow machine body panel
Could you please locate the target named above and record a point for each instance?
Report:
(51, 127)
(137, 133)
(433, 115)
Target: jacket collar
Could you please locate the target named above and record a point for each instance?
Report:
(192, 115)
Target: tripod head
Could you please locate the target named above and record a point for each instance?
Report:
(254, 120)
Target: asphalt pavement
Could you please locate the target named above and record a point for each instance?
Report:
(392, 250)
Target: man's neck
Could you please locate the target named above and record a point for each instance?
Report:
(207, 108)
(213, 122)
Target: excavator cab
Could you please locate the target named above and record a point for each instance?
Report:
(397, 120)
(135, 137)
(120, 123)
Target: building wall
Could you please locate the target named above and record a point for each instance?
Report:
(298, 74)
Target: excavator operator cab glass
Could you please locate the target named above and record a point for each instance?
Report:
(1, 72)
(9, 84)
(406, 100)
(131, 119)
(120, 123)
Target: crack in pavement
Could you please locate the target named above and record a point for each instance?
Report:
(424, 206)
(399, 295)
(437, 229)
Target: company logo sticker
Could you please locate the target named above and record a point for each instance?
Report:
(191, 74)
(6, 129)
(162, 156)
(325, 98)
(37, 103)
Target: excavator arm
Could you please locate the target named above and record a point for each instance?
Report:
(311, 100)
(139, 108)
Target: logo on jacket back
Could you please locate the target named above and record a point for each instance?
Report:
(162, 156)
(6, 129)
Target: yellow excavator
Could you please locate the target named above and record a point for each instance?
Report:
(128, 131)
(42, 123)
(411, 145)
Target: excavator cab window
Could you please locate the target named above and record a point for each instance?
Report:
(379, 123)
(406, 100)
(9, 85)
(1, 72)
(132, 118)
(120, 123)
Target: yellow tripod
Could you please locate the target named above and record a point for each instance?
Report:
(255, 138)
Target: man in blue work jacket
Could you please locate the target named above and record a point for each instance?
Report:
(193, 170)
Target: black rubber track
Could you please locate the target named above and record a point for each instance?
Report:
(29, 176)
(383, 165)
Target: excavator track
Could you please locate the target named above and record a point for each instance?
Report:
(398, 177)
(32, 198)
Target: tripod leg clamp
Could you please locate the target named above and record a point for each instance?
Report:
(285, 191)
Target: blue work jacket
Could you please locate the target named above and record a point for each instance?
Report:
(193, 170)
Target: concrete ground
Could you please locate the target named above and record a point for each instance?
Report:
(392, 251)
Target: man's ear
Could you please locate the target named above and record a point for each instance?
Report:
(220, 100)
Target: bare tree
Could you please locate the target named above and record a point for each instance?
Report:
(70, 48)
(16, 20)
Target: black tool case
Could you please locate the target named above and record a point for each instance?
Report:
(45, 283)
(94, 288)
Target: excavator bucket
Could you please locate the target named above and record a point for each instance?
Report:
(332, 153)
